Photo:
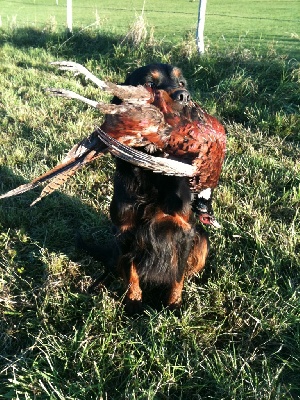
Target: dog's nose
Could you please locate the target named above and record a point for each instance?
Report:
(181, 96)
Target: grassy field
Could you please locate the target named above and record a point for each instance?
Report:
(255, 24)
(238, 335)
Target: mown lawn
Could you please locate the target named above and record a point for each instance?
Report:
(238, 335)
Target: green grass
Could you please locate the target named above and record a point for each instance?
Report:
(255, 24)
(238, 336)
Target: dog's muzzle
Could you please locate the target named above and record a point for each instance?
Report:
(181, 96)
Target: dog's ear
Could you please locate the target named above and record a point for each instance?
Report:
(147, 73)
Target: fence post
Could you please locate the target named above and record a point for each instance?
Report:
(200, 26)
(69, 16)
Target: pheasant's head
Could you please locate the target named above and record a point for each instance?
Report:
(202, 207)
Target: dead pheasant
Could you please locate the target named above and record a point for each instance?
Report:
(189, 141)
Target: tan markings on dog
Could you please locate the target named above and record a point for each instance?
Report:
(180, 220)
(175, 295)
(155, 74)
(126, 226)
(134, 292)
(198, 255)
(177, 72)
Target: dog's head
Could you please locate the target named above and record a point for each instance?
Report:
(161, 77)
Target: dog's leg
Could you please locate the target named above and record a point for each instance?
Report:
(175, 296)
(195, 263)
(198, 254)
(80, 69)
(133, 94)
(133, 299)
(103, 107)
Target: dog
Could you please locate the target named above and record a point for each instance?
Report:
(159, 242)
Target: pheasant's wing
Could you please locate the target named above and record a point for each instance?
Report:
(86, 151)
(156, 164)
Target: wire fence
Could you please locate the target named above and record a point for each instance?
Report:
(21, 13)
(270, 19)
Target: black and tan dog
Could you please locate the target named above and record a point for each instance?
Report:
(160, 243)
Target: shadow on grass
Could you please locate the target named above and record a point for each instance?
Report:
(54, 223)
(79, 44)
(82, 46)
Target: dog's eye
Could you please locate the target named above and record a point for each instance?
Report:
(181, 84)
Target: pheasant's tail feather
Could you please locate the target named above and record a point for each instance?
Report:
(86, 151)
(19, 190)
(161, 165)
(89, 148)
(59, 174)
(65, 173)
(57, 181)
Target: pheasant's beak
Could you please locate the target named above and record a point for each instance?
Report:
(215, 223)
(207, 219)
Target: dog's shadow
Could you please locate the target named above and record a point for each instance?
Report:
(59, 224)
